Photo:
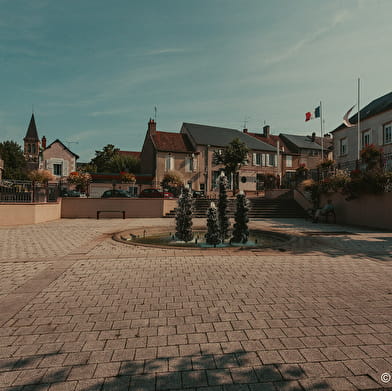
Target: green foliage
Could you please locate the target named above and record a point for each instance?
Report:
(87, 167)
(223, 218)
(213, 235)
(233, 157)
(241, 231)
(326, 164)
(14, 161)
(371, 156)
(173, 182)
(184, 216)
(102, 158)
(123, 163)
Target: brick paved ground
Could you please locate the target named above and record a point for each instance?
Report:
(79, 311)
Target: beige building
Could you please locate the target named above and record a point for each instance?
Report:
(57, 159)
(375, 128)
(191, 154)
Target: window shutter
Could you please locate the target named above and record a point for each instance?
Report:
(65, 168)
(171, 163)
(195, 164)
(264, 161)
(275, 160)
(254, 159)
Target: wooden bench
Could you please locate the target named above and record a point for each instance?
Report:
(111, 211)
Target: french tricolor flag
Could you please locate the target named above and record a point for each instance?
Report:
(312, 114)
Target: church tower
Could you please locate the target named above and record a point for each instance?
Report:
(31, 146)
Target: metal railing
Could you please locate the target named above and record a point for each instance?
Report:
(26, 191)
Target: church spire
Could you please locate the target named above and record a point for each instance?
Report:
(32, 134)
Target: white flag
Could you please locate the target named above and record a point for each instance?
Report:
(345, 119)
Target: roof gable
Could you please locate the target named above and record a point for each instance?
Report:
(171, 142)
(63, 146)
(32, 133)
(221, 137)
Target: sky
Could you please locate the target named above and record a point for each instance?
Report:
(93, 70)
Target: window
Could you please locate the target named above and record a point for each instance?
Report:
(169, 162)
(343, 147)
(257, 159)
(58, 169)
(366, 138)
(272, 160)
(289, 161)
(190, 164)
(388, 134)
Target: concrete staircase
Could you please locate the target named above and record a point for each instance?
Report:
(283, 207)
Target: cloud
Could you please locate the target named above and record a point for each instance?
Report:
(165, 51)
(339, 18)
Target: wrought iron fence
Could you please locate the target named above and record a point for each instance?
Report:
(27, 191)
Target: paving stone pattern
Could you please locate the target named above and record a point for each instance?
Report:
(118, 317)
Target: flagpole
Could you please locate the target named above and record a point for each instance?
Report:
(359, 125)
(321, 131)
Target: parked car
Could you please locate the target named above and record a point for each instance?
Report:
(116, 194)
(70, 193)
(155, 193)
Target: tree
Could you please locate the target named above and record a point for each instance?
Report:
(41, 176)
(102, 158)
(80, 179)
(223, 218)
(233, 157)
(212, 236)
(241, 231)
(173, 182)
(123, 163)
(14, 162)
(184, 216)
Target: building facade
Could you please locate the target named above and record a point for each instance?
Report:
(57, 159)
(375, 128)
(190, 153)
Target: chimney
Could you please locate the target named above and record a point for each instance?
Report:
(313, 136)
(266, 131)
(245, 130)
(327, 135)
(152, 126)
(43, 142)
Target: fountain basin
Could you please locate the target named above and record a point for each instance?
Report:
(161, 238)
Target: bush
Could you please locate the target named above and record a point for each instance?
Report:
(40, 176)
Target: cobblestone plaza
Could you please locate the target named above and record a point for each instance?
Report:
(79, 311)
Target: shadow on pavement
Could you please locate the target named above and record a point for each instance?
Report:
(233, 371)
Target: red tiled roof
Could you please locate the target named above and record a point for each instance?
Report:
(130, 153)
(171, 142)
